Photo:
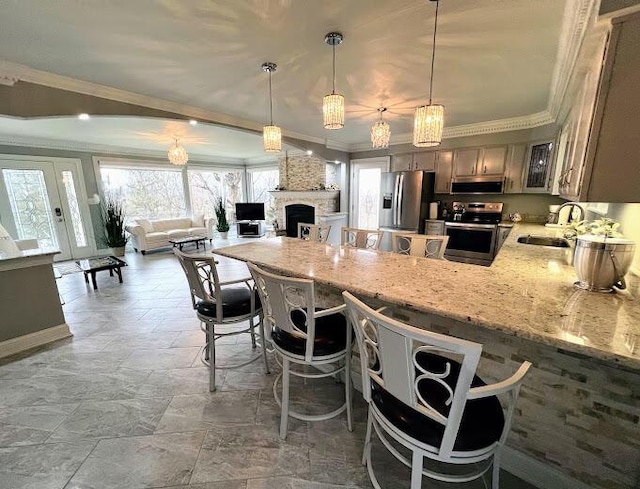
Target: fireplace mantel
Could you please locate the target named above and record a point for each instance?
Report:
(305, 194)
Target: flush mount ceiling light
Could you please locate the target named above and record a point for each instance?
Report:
(271, 134)
(380, 132)
(177, 154)
(333, 104)
(428, 121)
(84, 117)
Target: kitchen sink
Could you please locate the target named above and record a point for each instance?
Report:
(544, 241)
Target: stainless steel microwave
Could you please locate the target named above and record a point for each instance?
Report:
(477, 185)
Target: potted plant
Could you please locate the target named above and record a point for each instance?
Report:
(221, 214)
(113, 222)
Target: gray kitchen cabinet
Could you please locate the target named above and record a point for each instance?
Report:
(402, 162)
(514, 169)
(424, 160)
(538, 172)
(480, 161)
(444, 165)
(602, 165)
(492, 161)
(434, 227)
(465, 162)
(501, 237)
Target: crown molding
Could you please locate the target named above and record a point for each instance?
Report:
(578, 15)
(501, 125)
(337, 145)
(104, 149)
(8, 80)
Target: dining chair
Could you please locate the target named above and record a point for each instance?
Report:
(423, 392)
(313, 232)
(232, 304)
(361, 238)
(424, 245)
(303, 335)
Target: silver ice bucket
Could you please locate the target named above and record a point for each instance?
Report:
(601, 263)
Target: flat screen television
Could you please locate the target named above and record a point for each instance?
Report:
(248, 211)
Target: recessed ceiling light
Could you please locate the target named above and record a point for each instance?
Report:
(193, 122)
(84, 117)
(309, 152)
(337, 162)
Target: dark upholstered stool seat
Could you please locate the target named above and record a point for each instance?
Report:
(236, 301)
(482, 421)
(331, 335)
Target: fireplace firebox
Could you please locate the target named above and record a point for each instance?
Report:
(296, 213)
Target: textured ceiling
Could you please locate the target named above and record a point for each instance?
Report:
(494, 60)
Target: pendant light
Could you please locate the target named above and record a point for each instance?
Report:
(333, 104)
(178, 154)
(271, 134)
(428, 121)
(380, 132)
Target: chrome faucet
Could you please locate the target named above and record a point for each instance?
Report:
(573, 206)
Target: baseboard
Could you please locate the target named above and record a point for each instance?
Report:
(31, 340)
(536, 473)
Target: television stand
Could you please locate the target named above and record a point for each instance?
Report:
(251, 229)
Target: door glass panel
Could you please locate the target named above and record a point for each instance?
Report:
(76, 216)
(30, 205)
(368, 198)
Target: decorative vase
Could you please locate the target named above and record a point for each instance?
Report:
(224, 235)
(117, 251)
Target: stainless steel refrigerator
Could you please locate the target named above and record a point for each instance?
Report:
(405, 202)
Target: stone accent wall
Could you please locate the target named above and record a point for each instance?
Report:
(323, 202)
(333, 174)
(302, 172)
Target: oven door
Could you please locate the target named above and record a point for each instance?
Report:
(471, 243)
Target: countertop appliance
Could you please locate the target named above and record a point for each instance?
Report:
(473, 232)
(406, 197)
(601, 263)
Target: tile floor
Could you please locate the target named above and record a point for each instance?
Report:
(124, 403)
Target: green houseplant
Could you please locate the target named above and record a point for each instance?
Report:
(221, 215)
(113, 222)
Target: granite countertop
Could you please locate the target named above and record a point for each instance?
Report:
(527, 292)
(26, 258)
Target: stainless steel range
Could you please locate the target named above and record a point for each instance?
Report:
(473, 232)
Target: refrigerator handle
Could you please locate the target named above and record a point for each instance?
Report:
(396, 200)
(400, 200)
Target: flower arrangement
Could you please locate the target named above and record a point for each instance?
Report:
(605, 227)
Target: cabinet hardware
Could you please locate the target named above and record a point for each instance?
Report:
(484, 170)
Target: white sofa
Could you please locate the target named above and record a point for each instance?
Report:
(147, 235)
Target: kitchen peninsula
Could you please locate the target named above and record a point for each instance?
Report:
(31, 311)
(578, 410)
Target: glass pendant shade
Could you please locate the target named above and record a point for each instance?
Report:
(272, 136)
(333, 111)
(178, 155)
(380, 134)
(428, 123)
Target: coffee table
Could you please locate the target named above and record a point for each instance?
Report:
(180, 242)
(91, 266)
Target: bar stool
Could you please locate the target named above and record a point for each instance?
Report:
(313, 232)
(368, 239)
(423, 392)
(303, 335)
(424, 245)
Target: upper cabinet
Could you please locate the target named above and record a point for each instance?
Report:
(602, 153)
(424, 160)
(514, 169)
(538, 173)
(480, 161)
(444, 166)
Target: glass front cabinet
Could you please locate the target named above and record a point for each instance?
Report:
(539, 169)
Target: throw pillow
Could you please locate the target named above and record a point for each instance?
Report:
(198, 220)
(146, 225)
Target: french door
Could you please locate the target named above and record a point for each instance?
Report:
(45, 200)
(366, 196)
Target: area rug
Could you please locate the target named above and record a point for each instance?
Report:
(67, 267)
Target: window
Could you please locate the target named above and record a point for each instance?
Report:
(260, 183)
(146, 193)
(207, 186)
